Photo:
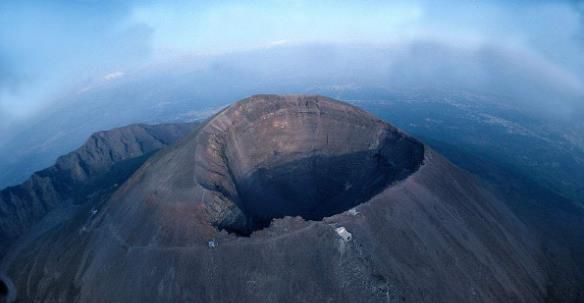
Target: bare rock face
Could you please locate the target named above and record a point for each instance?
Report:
(288, 156)
(107, 159)
(288, 199)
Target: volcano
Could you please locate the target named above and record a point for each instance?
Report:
(286, 199)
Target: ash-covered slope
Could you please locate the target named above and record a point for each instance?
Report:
(361, 213)
(106, 159)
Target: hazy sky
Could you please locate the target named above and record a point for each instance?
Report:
(48, 47)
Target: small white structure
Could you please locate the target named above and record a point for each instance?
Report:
(353, 212)
(343, 233)
(212, 243)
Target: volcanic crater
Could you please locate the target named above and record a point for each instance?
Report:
(307, 156)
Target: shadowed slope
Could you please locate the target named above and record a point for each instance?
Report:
(107, 159)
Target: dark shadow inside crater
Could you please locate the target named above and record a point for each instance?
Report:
(320, 186)
(271, 157)
(7, 290)
(3, 291)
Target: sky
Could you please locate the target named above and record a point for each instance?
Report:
(48, 48)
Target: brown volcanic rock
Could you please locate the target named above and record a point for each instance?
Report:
(420, 229)
(310, 156)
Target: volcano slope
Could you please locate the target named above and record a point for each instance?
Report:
(84, 176)
(288, 199)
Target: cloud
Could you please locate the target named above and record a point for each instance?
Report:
(9, 79)
(279, 42)
(548, 28)
(113, 75)
(49, 46)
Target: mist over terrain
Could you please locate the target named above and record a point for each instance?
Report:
(49, 48)
(535, 102)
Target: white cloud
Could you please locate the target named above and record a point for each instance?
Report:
(279, 42)
(114, 75)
